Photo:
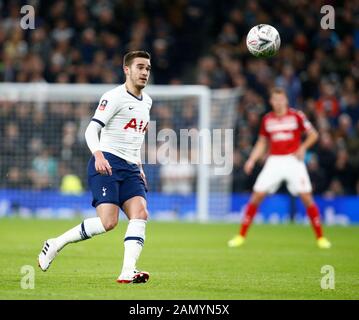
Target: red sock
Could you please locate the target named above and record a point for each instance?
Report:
(314, 216)
(248, 217)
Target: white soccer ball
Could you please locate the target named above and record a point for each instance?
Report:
(263, 41)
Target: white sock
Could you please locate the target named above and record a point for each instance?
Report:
(134, 241)
(86, 230)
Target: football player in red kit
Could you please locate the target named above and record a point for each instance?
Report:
(281, 129)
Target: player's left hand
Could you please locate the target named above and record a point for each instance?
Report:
(300, 153)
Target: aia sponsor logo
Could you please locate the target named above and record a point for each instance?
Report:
(138, 126)
(282, 136)
(284, 124)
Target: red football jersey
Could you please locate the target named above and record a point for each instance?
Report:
(284, 132)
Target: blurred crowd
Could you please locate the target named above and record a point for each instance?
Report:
(191, 42)
(43, 148)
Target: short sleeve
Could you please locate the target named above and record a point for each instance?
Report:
(106, 109)
(304, 123)
(262, 131)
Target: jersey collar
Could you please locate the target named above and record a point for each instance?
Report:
(283, 115)
(140, 99)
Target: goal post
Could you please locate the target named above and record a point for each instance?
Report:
(197, 196)
(204, 104)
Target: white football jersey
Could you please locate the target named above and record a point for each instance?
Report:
(124, 118)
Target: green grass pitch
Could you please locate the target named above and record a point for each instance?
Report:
(185, 260)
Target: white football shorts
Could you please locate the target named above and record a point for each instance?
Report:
(287, 168)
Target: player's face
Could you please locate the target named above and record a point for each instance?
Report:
(279, 102)
(139, 72)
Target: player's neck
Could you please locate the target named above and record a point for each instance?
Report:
(133, 90)
(281, 113)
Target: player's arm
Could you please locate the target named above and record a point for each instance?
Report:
(106, 109)
(310, 140)
(311, 135)
(259, 149)
(93, 142)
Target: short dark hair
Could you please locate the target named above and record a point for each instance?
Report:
(277, 90)
(130, 56)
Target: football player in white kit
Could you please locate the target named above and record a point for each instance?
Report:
(282, 130)
(115, 174)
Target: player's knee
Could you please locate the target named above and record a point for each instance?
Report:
(257, 198)
(109, 224)
(142, 213)
(307, 199)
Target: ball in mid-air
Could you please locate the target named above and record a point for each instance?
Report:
(263, 40)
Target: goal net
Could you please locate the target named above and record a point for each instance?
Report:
(187, 154)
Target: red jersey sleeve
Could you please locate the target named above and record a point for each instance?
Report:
(262, 131)
(304, 123)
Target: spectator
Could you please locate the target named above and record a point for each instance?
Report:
(326, 154)
(239, 179)
(71, 183)
(335, 189)
(290, 82)
(44, 171)
(177, 176)
(328, 104)
(310, 80)
(317, 175)
(343, 172)
(345, 128)
(12, 146)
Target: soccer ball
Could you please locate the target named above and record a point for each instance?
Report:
(263, 41)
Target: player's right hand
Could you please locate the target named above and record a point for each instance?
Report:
(248, 166)
(102, 166)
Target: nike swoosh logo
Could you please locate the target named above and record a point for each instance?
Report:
(130, 108)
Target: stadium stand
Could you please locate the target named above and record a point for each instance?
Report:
(83, 41)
